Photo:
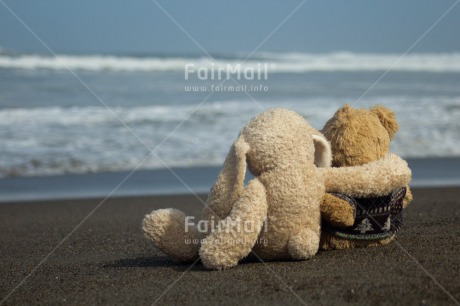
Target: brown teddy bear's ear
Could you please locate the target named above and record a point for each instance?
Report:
(387, 118)
(343, 111)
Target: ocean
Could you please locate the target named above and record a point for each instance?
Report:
(61, 115)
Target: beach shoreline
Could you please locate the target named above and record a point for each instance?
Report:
(108, 261)
(426, 172)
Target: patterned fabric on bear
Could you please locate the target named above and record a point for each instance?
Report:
(375, 218)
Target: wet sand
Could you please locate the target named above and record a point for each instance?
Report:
(108, 261)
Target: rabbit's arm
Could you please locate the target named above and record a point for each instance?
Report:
(376, 178)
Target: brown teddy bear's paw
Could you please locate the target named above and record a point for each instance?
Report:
(407, 198)
(337, 212)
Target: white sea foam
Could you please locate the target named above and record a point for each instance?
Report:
(55, 140)
(279, 63)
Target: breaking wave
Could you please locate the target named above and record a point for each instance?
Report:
(57, 140)
(279, 62)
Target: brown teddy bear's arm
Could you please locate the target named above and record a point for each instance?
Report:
(336, 212)
(236, 235)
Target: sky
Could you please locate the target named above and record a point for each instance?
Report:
(142, 27)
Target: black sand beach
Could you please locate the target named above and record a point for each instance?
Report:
(108, 261)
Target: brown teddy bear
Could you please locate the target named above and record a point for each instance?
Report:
(357, 137)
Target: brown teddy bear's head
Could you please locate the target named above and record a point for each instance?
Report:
(359, 136)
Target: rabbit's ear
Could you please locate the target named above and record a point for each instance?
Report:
(230, 182)
(323, 153)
